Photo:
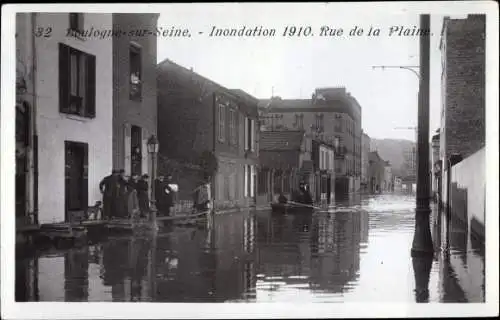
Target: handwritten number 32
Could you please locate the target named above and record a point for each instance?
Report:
(43, 32)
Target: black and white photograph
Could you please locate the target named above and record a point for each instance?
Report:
(249, 160)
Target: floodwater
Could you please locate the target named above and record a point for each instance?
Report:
(359, 252)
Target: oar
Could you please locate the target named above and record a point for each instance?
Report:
(303, 205)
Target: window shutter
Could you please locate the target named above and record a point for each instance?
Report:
(252, 180)
(245, 186)
(85, 180)
(91, 85)
(252, 135)
(63, 77)
(246, 136)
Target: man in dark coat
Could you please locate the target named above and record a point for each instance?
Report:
(109, 189)
(142, 193)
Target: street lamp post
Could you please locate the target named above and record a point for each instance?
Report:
(153, 146)
(422, 240)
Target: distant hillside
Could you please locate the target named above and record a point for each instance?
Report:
(393, 150)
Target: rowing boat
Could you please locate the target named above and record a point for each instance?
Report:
(286, 208)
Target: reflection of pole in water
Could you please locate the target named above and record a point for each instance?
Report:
(422, 269)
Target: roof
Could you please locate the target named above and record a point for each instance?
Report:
(277, 102)
(323, 100)
(237, 94)
(280, 140)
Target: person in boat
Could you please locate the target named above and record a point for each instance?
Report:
(122, 196)
(282, 199)
(142, 188)
(304, 193)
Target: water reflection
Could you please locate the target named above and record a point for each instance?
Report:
(359, 251)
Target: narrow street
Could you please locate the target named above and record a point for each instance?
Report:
(359, 253)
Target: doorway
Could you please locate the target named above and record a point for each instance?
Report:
(22, 144)
(136, 148)
(76, 178)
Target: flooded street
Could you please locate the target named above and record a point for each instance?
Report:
(360, 253)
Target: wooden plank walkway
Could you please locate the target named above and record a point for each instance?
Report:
(80, 229)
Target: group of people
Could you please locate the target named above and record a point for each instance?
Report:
(127, 197)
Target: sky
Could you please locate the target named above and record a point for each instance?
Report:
(292, 67)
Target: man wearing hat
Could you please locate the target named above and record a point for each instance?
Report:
(142, 194)
(109, 189)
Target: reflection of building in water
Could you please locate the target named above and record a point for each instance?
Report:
(284, 247)
(183, 272)
(26, 282)
(234, 243)
(336, 261)
(364, 226)
(462, 274)
(115, 263)
(76, 266)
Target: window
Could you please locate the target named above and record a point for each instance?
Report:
(222, 122)
(232, 126)
(262, 181)
(76, 82)
(76, 22)
(320, 159)
(135, 73)
(249, 134)
(299, 121)
(319, 122)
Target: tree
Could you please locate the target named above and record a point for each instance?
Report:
(208, 164)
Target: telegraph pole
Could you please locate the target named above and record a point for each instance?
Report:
(422, 240)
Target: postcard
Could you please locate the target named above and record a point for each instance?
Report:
(249, 160)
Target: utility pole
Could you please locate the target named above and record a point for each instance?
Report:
(422, 240)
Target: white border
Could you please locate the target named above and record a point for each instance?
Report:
(42, 310)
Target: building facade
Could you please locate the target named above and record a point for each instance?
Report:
(365, 151)
(134, 98)
(70, 130)
(331, 115)
(25, 134)
(197, 115)
(323, 157)
(284, 161)
(376, 172)
(462, 136)
(388, 185)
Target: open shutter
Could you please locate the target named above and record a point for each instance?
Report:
(245, 180)
(144, 150)
(252, 135)
(126, 148)
(85, 180)
(247, 147)
(91, 85)
(63, 77)
(252, 180)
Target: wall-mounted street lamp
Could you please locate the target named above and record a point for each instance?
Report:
(409, 68)
(153, 147)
